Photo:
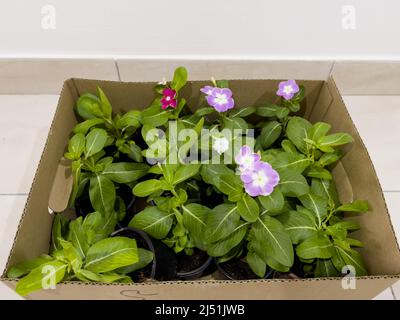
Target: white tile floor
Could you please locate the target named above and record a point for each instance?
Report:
(25, 120)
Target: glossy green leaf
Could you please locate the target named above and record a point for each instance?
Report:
(84, 126)
(248, 208)
(325, 268)
(293, 184)
(256, 264)
(300, 225)
(146, 188)
(241, 112)
(273, 203)
(355, 206)
(105, 104)
(221, 222)
(316, 204)
(129, 119)
(315, 247)
(88, 106)
(76, 145)
(297, 130)
(47, 274)
(274, 239)
(95, 141)
(152, 220)
(269, 134)
(125, 172)
(102, 194)
(179, 79)
(225, 245)
(23, 268)
(111, 253)
(184, 172)
(318, 130)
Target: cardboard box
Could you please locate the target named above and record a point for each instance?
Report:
(354, 175)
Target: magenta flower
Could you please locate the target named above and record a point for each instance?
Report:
(287, 89)
(246, 158)
(260, 180)
(168, 99)
(219, 98)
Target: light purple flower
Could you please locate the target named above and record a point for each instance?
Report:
(246, 158)
(260, 180)
(219, 98)
(287, 89)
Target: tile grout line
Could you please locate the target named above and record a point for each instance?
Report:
(117, 67)
(394, 295)
(13, 194)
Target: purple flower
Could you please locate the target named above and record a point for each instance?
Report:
(246, 158)
(219, 98)
(168, 99)
(260, 180)
(287, 89)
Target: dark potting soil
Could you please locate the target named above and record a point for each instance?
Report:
(166, 262)
(83, 206)
(125, 192)
(188, 263)
(238, 270)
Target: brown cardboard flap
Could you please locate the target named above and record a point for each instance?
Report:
(62, 187)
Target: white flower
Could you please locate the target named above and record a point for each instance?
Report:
(220, 145)
(163, 81)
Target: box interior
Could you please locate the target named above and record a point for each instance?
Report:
(354, 175)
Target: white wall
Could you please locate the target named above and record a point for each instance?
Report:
(207, 27)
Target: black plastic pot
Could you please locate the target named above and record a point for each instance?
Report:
(197, 272)
(143, 241)
(243, 270)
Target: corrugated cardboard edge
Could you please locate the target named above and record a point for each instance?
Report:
(331, 82)
(381, 281)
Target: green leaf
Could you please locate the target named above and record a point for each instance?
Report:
(329, 158)
(102, 194)
(315, 247)
(273, 203)
(325, 189)
(290, 161)
(299, 224)
(77, 236)
(269, 134)
(325, 268)
(316, 204)
(273, 239)
(194, 219)
(95, 141)
(355, 206)
(267, 110)
(88, 106)
(46, 274)
(327, 142)
(154, 116)
(129, 119)
(223, 246)
(111, 253)
(84, 126)
(108, 277)
(297, 130)
(221, 222)
(76, 145)
(185, 172)
(179, 79)
(349, 258)
(222, 83)
(105, 104)
(25, 267)
(241, 112)
(146, 188)
(152, 220)
(235, 124)
(145, 257)
(318, 172)
(289, 147)
(98, 226)
(256, 264)
(318, 130)
(347, 225)
(125, 172)
(204, 111)
(211, 172)
(231, 185)
(59, 225)
(293, 184)
(72, 255)
(248, 208)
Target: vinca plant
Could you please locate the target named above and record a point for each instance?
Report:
(237, 183)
